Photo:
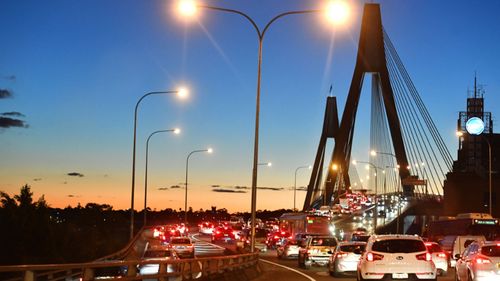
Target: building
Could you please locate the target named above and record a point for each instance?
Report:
(466, 188)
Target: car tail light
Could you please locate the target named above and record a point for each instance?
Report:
(424, 257)
(341, 255)
(373, 257)
(482, 260)
(441, 255)
(217, 232)
(276, 237)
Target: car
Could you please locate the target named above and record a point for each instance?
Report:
(360, 236)
(345, 258)
(275, 238)
(460, 243)
(183, 246)
(439, 257)
(316, 250)
(160, 254)
(223, 233)
(206, 228)
(394, 256)
(479, 262)
(288, 249)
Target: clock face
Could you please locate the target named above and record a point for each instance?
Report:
(475, 126)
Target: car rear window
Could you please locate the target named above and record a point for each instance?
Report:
(180, 241)
(399, 246)
(157, 254)
(491, 251)
(351, 248)
(324, 242)
(434, 248)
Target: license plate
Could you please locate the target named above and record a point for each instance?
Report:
(400, 275)
(225, 234)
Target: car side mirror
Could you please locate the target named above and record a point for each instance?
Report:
(458, 256)
(330, 252)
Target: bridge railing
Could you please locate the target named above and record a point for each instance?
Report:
(177, 270)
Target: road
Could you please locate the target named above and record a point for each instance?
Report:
(272, 270)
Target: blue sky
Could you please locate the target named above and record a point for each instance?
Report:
(80, 67)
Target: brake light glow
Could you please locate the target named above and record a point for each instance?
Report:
(373, 257)
(341, 255)
(424, 257)
(441, 255)
(482, 260)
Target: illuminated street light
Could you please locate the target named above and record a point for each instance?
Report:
(295, 183)
(175, 131)
(209, 150)
(188, 8)
(181, 93)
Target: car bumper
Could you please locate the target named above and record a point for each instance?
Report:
(389, 277)
(345, 267)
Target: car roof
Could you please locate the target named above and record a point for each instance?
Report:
(395, 236)
(352, 243)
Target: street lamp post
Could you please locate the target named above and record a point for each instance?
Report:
(337, 11)
(295, 184)
(180, 93)
(209, 150)
(176, 131)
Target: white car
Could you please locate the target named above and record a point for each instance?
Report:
(396, 257)
(288, 249)
(182, 246)
(157, 259)
(479, 262)
(345, 258)
(439, 257)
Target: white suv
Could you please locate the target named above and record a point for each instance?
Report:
(392, 257)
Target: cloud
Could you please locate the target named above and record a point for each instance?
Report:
(215, 185)
(301, 188)
(7, 122)
(4, 93)
(271, 188)
(13, 113)
(228, 190)
(37, 179)
(65, 182)
(175, 186)
(74, 196)
(162, 188)
(241, 187)
(71, 195)
(75, 174)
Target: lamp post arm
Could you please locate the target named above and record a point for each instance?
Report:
(255, 26)
(282, 15)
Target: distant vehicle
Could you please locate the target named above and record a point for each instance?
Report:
(479, 262)
(345, 258)
(304, 223)
(182, 246)
(206, 228)
(316, 250)
(234, 220)
(360, 236)
(162, 255)
(276, 238)
(391, 257)
(440, 258)
(464, 224)
(288, 249)
(223, 233)
(461, 242)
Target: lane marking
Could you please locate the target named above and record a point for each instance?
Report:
(289, 268)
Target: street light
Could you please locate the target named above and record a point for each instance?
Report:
(175, 131)
(295, 184)
(181, 93)
(269, 164)
(209, 150)
(334, 12)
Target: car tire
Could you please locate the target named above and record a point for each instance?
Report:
(358, 277)
(469, 276)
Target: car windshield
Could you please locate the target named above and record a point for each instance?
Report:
(491, 251)
(157, 254)
(351, 248)
(360, 237)
(434, 248)
(324, 242)
(399, 246)
(180, 241)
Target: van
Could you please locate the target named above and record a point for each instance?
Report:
(460, 243)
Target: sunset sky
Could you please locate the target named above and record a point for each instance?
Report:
(71, 73)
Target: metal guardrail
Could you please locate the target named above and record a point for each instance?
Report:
(176, 270)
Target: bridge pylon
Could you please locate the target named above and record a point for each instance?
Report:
(371, 59)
